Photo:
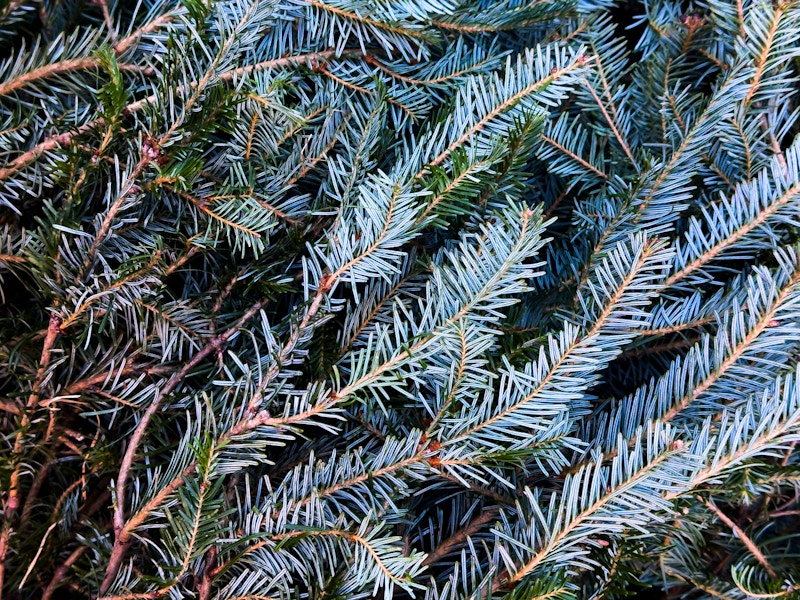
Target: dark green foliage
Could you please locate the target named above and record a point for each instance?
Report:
(356, 299)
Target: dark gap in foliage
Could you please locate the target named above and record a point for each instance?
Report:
(649, 594)
(626, 13)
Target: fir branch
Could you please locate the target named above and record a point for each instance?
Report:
(735, 353)
(760, 61)
(87, 63)
(561, 537)
(373, 173)
(711, 253)
(459, 537)
(585, 164)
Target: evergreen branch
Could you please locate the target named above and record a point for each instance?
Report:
(507, 103)
(611, 121)
(573, 357)
(752, 206)
(467, 175)
(247, 424)
(629, 482)
(376, 309)
(59, 68)
(376, 244)
(500, 16)
(64, 139)
(637, 210)
(764, 321)
(459, 537)
(224, 153)
(431, 81)
(89, 62)
(487, 286)
(367, 21)
(463, 358)
(700, 586)
(113, 210)
(766, 48)
(718, 108)
(367, 92)
(119, 284)
(202, 205)
(677, 328)
(477, 29)
(772, 417)
(196, 89)
(740, 233)
(689, 378)
(309, 164)
(585, 164)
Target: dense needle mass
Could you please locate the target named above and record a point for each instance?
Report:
(386, 299)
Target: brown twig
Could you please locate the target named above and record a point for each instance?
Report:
(61, 571)
(749, 544)
(33, 491)
(103, 4)
(12, 501)
(460, 536)
(204, 589)
(122, 535)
